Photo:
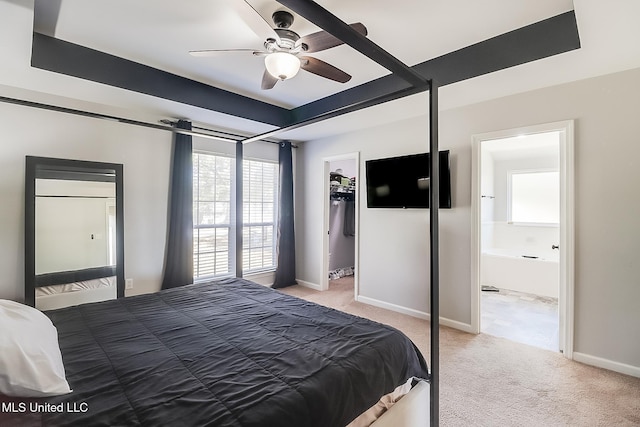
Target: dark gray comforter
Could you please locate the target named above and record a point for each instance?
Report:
(225, 353)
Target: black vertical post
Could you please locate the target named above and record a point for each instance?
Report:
(30, 232)
(120, 280)
(434, 203)
(239, 202)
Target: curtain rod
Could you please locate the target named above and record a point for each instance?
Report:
(234, 136)
(228, 137)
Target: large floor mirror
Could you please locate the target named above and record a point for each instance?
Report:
(74, 232)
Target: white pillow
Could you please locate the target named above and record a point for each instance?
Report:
(30, 359)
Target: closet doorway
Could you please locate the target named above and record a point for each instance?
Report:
(522, 204)
(340, 226)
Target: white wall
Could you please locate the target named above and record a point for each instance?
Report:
(72, 233)
(145, 154)
(498, 233)
(348, 167)
(501, 170)
(394, 244)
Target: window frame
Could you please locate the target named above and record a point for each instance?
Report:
(274, 224)
(232, 226)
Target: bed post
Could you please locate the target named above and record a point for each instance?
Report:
(239, 203)
(434, 188)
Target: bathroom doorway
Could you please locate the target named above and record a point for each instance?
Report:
(523, 244)
(340, 249)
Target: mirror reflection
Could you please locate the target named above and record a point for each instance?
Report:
(74, 232)
(75, 225)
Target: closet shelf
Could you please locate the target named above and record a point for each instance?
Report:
(339, 188)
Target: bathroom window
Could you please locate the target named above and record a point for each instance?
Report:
(534, 197)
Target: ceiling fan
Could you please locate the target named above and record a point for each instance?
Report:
(285, 52)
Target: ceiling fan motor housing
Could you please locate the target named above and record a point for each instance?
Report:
(282, 18)
(288, 38)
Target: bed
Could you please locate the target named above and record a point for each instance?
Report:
(52, 297)
(223, 353)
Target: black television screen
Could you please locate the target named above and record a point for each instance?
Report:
(403, 182)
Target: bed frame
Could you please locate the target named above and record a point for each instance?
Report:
(403, 81)
(417, 83)
(407, 78)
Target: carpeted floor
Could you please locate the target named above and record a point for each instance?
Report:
(490, 381)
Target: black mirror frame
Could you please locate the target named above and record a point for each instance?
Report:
(32, 164)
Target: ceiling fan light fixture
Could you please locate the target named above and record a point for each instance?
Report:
(282, 65)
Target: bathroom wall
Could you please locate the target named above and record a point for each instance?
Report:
(487, 201)
(526, 154)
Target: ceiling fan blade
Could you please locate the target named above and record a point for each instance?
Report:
(250, 15)
(268, 81)
(323, 69)
(215, 52)
(323, 40)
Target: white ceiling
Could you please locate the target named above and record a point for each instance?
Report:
(537, 145)
(159, 33)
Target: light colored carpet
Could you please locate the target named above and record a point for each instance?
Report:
(490, 381)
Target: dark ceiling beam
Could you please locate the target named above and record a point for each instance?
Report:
(540, 40)
(330, 23)
(356, 95)
(410, 90)
(537, 41)
(45, 16)
(543, 39)
(52, 54)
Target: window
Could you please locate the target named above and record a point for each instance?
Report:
(259, 215)
(214, 210)
(212, 214)
(535, 197)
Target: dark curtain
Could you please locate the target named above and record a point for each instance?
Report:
(178, 270)
(349, 227)
(286, 270)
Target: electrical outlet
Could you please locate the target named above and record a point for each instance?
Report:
(128, 284)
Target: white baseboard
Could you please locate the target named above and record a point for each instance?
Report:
(464, 327)
(393, 307)
(308, 284)
(607, 364)
(264, 278)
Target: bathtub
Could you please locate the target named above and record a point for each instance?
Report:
(509, 269)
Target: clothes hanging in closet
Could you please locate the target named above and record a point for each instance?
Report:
(341, 245)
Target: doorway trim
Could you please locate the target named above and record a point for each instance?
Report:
(324, 278)
(567, 225)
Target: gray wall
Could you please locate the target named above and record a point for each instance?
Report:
(145, 154)
(394, 244)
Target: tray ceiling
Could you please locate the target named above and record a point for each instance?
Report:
(159, 34)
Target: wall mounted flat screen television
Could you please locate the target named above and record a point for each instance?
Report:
(403, 182)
